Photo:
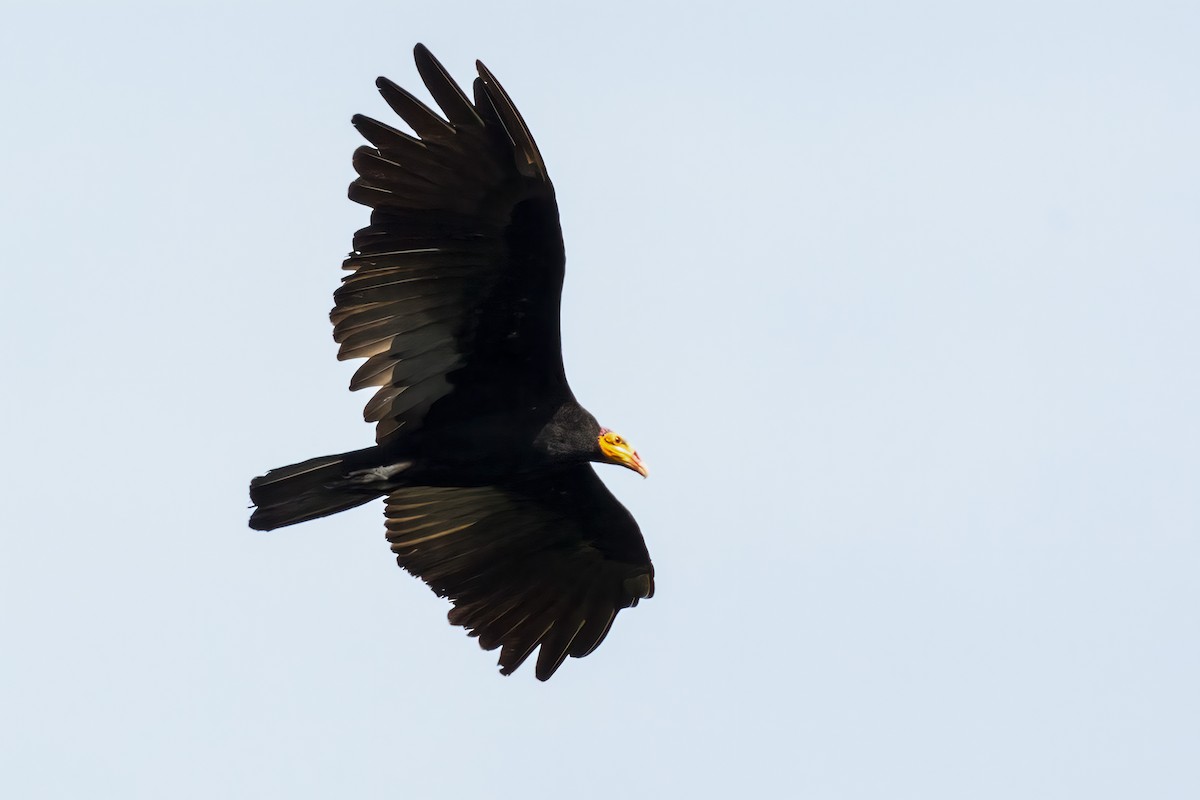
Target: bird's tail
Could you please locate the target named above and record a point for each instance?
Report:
(311, 489)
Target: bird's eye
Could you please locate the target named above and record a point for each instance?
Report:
(617, 440)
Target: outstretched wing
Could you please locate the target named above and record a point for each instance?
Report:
(547, 560)
(455, 286)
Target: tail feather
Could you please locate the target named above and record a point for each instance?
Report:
(308, 490)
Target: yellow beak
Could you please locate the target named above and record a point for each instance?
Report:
(624, 455)
(636, 464)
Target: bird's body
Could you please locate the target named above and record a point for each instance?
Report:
(481, 448)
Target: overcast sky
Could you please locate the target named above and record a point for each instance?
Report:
(898, 300)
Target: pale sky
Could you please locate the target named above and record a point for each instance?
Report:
(899, 301)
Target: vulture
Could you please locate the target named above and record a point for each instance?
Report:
(482, 453)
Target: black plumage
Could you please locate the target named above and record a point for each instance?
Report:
(481, 448)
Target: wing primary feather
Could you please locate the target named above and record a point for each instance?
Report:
(514, 123)
(420, 117)
(372, 165)
(597, 629)
(506, 628)
(383, 136)
(514, 653)
(445, 91)
(493, 635)
(598, 611)
(487, 107)
(555, 646)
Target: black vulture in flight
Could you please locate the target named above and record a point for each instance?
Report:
(482, 451)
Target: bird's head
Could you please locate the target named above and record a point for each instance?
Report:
(616, 450)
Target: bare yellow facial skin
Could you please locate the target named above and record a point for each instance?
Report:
(618, 451)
